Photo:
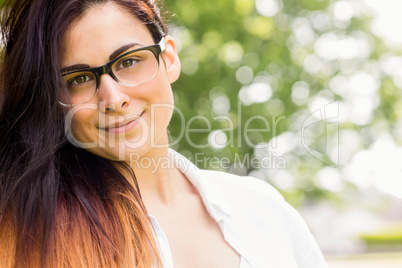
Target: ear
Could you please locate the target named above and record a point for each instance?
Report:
(171, 59)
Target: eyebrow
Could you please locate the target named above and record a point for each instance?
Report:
(112, 56)
(122, 49)
(74, 67)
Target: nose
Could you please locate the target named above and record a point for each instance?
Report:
(111, 94)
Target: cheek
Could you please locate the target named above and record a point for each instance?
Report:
(160, 87)
(80, 124)
(159, 97)
(163, 107)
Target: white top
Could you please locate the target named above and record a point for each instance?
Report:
(253, 217)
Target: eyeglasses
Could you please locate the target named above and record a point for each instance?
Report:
(130, 69)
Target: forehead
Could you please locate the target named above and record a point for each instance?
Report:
(104, 28)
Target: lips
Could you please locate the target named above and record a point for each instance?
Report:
(124, 126)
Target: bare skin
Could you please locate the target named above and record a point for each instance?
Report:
(194, 236)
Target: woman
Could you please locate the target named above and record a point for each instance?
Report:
(86, 98)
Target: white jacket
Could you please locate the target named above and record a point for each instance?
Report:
(253, 217)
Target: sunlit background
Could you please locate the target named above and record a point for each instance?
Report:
(327, 78)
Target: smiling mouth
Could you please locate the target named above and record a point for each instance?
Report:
(123, 127)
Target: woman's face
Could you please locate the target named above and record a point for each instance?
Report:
(138, 121)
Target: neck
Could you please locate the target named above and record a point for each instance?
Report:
(152, 165)
(160, 182)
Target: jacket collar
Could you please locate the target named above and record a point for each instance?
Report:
(204, 181)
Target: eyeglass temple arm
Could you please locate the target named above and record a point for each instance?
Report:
(162, 44)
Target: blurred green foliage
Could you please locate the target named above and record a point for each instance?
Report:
(392, 236)
(227, 45)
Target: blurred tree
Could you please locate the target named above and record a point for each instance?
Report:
(254, 72)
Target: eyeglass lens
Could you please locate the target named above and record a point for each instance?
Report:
(130, 70)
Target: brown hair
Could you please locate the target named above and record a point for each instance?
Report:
(60, 206)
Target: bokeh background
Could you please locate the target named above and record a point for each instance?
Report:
(318, 83)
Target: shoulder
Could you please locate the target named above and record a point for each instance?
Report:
(246, 185)
(227, 184)
(247, 197)
(253, 213)
(258, 206)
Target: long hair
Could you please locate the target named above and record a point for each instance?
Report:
(60, 206)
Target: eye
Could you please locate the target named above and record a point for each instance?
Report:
(79, 80)
(126, 63)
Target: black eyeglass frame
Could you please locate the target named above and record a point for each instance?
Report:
(156, 49)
